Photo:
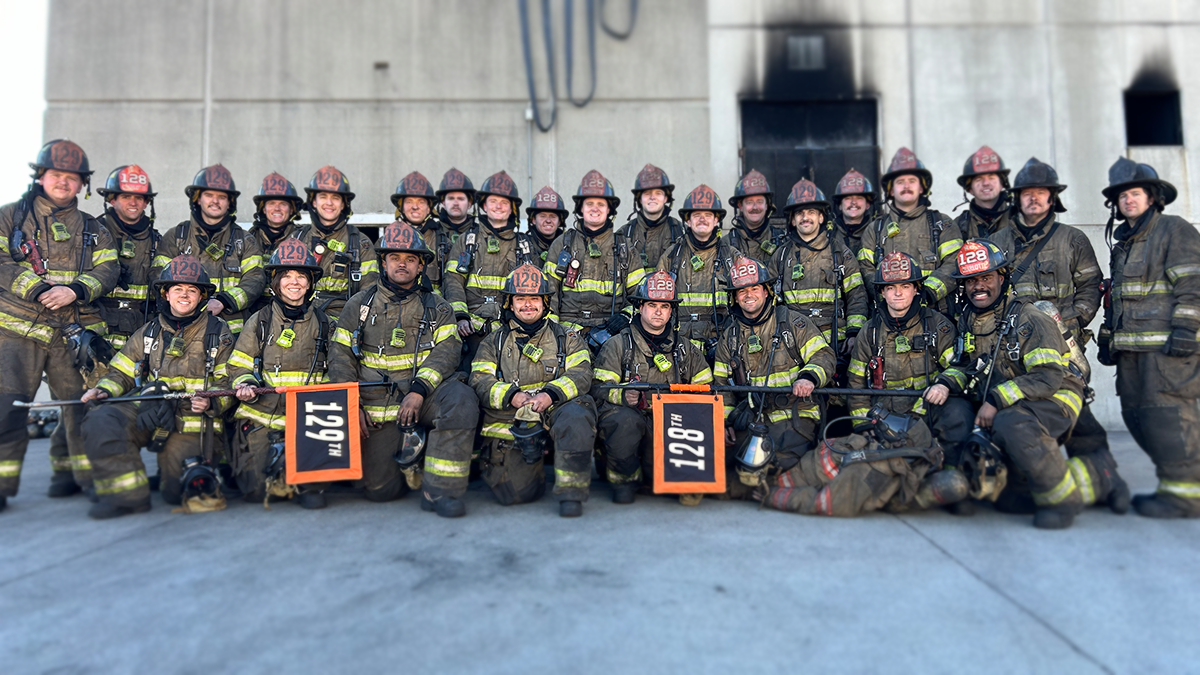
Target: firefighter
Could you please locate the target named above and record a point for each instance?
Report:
(1054, 261)
(909, 224)
(651, 229)
(1149, 333)
(592, 269)
(985, 181)
(768, 345)
(482, 258)
(649, 350)
(127, 193)
(853, 206)
(816, 274)
(532, 377)
(701, 261)
(398, 331)
(753, 203)
(906, 347)
(56, 262)
(547, 215)
(415, 200)
(276, 210)
(231, 257)
(346, 256)
(456, 195)
(183, 348)
(1011, 360)
(286, 343)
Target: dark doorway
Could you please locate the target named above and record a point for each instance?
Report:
(818, 140)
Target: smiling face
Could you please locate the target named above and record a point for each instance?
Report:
(808, 222)
(293, 287)
(653, 202)
(278, 212)
(328, 206)
(416, 209)
(983, 290)
(906, 190)
(754, 210)
(498, 210)
(595, 212)
(702, 224)
(547, 223)
(128, 207)
(751, 299)
(853, 208)
(214, 205)
(60, 186)
(403, 268)
(985, 189)
(528, 308)
(183, 299)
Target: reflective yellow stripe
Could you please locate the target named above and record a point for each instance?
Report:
(497, 430)
(124, 365)
(581, 356)
(240, 359)
(566, 385)
(1059, 493)
(1132, 341)
(10, 468)
(250, 262)
(486, 367)
(811, 347)
(486, 282)
(807, 295)
(857, 368)
(1180, 489)
(949, 247)
(939, 289)
(1009, 393)
(1174, 273)
(382, 414)
(445, 332)
(819, 372)
(608, 376)
(126, 482)
(25, 281)
(42, 333)
(1083, 480)
(705, 376)
(571, 478)
(249, 412)
(1070, 399)
(60, 464)
(497, 393)
(431, 376)
(447, 468)
(1038, 357)
(103, 255)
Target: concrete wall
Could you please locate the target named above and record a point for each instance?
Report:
(380, 88)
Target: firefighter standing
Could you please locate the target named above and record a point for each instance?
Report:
(701, 262)
(591, 268)
(183, 348)
(1013, 363)
(1149, 333)
(767, 345)
(816, 275)
(908, 223)
(753, 203)
(649, 350)
(344, 253)
(652, 229)
(415, 200)
(1054, 261)
(398, 331)
(456, 196)
(547, 215)
(285, 344)
(482, 258)
(230, 256)
(532, 377)
(985, 179)
(276, 209)
(55, 263)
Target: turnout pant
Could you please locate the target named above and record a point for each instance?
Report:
(114, 448)
(1159, 404)
(625, 434)
(450, 415)
(1028, 432)
(791, 439)
(22, 362)
(573, 433)
(821, 486)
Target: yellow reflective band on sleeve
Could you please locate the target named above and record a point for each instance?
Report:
(581, 356)
(497, 430)
(368, 266)
(919, 407)
(1070, 400)
(607, 376)
(126, 482)
(1083, 480)
(93, 285)
(851, 281)
(160, 261)
(445, 332)
(591, 285)
(25, 281)
(705, 376)
(866, 255)
(496, 395)
(101, 256)
(486, 367)
(857, 368)
(722, 369)
(1139, 341)
(250, 262)
(447, 468)
(124, 365)
(1059, 493)
(571, 478)
(246, 411)
(134, 292)
(944, 359)
(10, 468)
(1039, 357)
(341, 336)
(822, 376)
(859, 412)
(1009, 393)
(1179, 271)
(1185, 312)
(635, 277)
(247, 378)
(1180, 489)
(947, 248)
(957, 376)
(235, 326)
(566, 385)
(856, 321)
(431, 376)
(460, 307)
(485, 282)
(939, 289)
(111, 387)
(812, 347)
(40, 332)
(240, 359)
(239, 296)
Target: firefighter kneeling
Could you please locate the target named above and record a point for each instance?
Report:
(182, 349)
(768, 346)
(532, 377)
(649, 350)
(1011, 358)
(399, 331)
(892, 461)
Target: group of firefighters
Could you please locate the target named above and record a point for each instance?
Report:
(959, 343)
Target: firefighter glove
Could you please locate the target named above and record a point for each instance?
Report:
(1182, 342)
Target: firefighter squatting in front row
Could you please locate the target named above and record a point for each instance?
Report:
(517, 348)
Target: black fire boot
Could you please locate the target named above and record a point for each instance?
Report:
(104, 510)
(624, 493)
(569, 508)
(446, 507)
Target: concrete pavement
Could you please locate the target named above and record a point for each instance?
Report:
(652, 587)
